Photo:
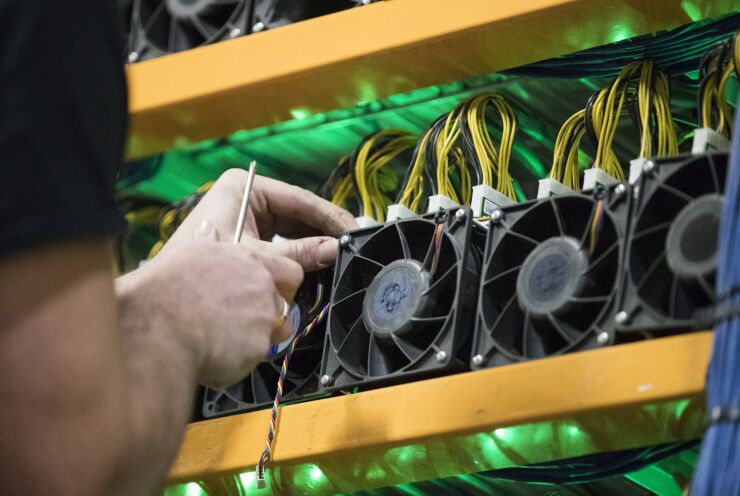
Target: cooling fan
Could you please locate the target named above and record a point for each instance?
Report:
(160, 27)
(402, 301)
(550, 277)
(672, 255)
(302, 380)
(270, 14)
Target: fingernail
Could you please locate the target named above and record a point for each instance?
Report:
(205, 230)
(327, 252)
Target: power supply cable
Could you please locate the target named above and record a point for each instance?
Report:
(717, 471)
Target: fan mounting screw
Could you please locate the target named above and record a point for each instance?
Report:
(460, 214)
(344, 240)
(133, 57)
(366, 2)
(325, 380)
(621, 318)
(441, 356)
(260, 26)
(602, 338)
(648, 168)
(235, 32)
(496, 216)
(620, 190)
(478, 360)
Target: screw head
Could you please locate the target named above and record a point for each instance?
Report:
(602, 338)
(460, 214)
(497, 215)
(260, 26)
(649, 167)
(325, 380)
(235, 32)
(133, 57)
(344, 240)
(477, 359)
(366, 2)
(441, 356)
(620, 190)
(621, 317)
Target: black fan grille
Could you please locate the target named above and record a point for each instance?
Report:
(302, 379)
(507, 331)
(358, 349)
(663, 298)
(167, 26)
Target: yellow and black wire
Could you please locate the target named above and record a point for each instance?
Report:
(715, 71)
(339, 188)
(642, 89)
(565, 156)
(371, 166)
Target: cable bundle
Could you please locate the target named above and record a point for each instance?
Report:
(717, 67)
(340, 185)
(487, 161)
(171, 219)
(646, 90)
(414, 185)
(374, 179)
(565, 157)
(717, 473)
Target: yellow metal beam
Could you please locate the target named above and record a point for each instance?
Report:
(362, 54)
(613, 396)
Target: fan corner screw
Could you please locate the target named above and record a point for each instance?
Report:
(344, 240)
(478, 360)
(260, 26)
(602, 338)
(621, 317)
(133, 57)
(366, 2)
(649, 167)
(620, 190)
(496, 216)
(235, 33)
(325, 380)
(460, 214)
(441, 356)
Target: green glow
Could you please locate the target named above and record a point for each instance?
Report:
(300, 114)
(194, 489)
(620, 32)
(248, 480)
(316, 473)
(692, 10)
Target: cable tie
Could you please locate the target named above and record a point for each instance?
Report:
(719, 415)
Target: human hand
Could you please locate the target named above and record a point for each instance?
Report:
(275, 208)
(222, 301)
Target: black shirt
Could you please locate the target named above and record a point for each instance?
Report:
(63, 109)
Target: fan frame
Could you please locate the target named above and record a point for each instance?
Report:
(485, 352)
(308, 390)
(641, 317)
(452, 343)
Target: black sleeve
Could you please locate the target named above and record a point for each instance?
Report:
(63, 109)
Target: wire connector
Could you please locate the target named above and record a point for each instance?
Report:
(596, 177)
(551, 187)
(398, 211)
(708, 140)
(261, 482)
(440, 202)
(486, 199)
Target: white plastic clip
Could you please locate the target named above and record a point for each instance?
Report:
(596, 177)
(550, 187)
(366, 221)
(398, 211)
(440, 202)
(707, 140)
(486, 199)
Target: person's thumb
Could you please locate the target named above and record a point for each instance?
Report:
(206, 230)
(311, 253)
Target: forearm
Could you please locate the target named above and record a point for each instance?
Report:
(161, 381)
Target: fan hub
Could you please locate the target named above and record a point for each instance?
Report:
(691, 244)
(551, 275)
(394, 297)
(184, 9)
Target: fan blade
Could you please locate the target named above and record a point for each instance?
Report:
(589, 300)
(355, 343)
(343, 302)
(429, 255)
(262, 387)
(558, 219)
(677, 193)
(651, 269)
(411, 351)
(155, 14)
(587, 228)
(201, 27)
(600, 259)
(380, 359)
(178, 37)
(706, 288)
(715, 176)
(442, 281)
(567, 331)
(652, 230)
(501, 275)
(523, 237)
(404, 243)
(673, 296)
(532, 345)
(430, 320)
(370, 260)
